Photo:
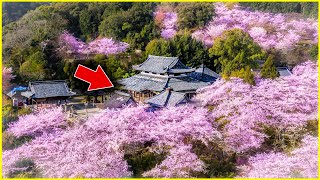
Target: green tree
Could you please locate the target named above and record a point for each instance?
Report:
(235, 51)
(269, 70)
(190, 52)
(34, 67)
(309, 9)
(85, 22)
(158, 47)
(119, 73)
(134, 25)
(193, 15)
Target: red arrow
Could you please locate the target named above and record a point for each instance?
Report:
(97, 79)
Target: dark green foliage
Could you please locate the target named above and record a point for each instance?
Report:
(269, 70)
(314, 52)
(13, 11)
(158, 47)
(236, 54)
(309, 9)
(190, 51)
(134, 25)
(140, 159)
(248, 76)
(191, 15)
(28, 169)
(219, 164)
(34, 67)
(85, 22)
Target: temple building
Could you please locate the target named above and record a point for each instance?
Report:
(166, 81)
(47, 92)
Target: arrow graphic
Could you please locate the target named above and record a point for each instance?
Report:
(97, 79)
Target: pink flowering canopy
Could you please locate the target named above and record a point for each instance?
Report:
(267, 29)
(180, 163)
(69, 44)
(169, 24)
(94, 148)
(302, 162)
(286, 103)
(46, 121)
(230, 113)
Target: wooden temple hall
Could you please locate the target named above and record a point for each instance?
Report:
(166, 81)
(42, 93)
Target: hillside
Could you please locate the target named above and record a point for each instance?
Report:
(14, 11)
(218, 90)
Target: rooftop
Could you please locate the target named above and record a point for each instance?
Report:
(15, 90)
(45, 89)
(118, 99)
(167, 98)
(205, 74)
(161, 64)
(141, 82)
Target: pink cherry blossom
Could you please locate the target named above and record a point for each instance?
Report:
(169, 24)
(179, 163)
(300, 163)
(267, 29)
(69, 44)
(286, 103)
(47, 120)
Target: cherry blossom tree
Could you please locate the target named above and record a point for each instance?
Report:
(71, 45)
(96, 148)
(46, 121)
(180, 163)
(168, 21)
(105, 46)
(302, 162)
(285, 104)
(267, 29)
(231, 114)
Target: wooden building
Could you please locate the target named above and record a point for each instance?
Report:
(47, 92)
(158, 73)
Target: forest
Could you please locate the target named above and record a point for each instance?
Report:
(243, 125)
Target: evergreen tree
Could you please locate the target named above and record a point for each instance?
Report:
(190, 51)
(269, 70)
(236, 53)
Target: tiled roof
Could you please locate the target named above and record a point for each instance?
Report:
(161, 64)
(45, 89)
(118, 99)
(205, 74)
(156, 83)
(167, 98)
(141, 82)
(284, 71)
(185, 83)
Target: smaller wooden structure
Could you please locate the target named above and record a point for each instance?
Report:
(17, 99)
(41, 93)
